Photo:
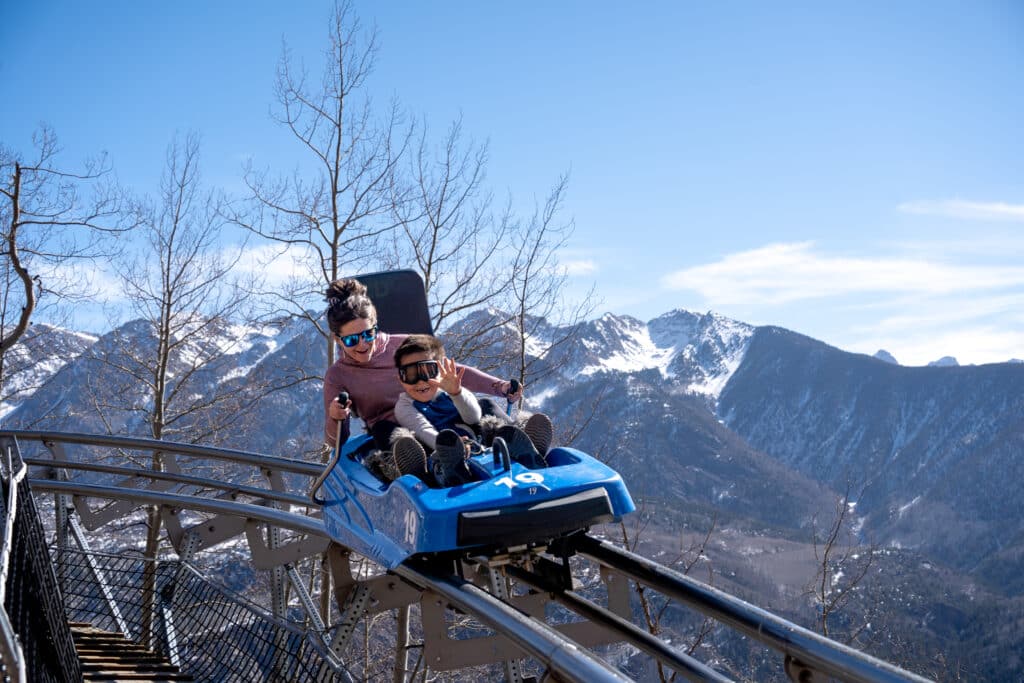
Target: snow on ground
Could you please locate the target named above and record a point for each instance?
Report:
(904, 508)
(733, 338)
(713, 384)
(638, 352)
(536, 347)
(23, 376)
(536, 401)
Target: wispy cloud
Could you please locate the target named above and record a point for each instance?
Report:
(84, 277)
(579, 267)
(918, 303)
(785, 273)
(274, 263)
(952, 313)
(961, 208)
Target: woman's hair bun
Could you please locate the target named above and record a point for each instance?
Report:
(346, 287)
(347, 300)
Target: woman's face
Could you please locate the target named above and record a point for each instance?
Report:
(362, 350)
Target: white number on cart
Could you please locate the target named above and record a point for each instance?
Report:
(411, 526)
(521, 478)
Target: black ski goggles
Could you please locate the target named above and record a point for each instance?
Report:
(350, 340)
(421, 370)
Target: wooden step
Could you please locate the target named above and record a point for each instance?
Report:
(106, 656)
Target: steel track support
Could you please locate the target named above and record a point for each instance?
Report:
(170, 634)
(188, 547)
(98, 576)
(62, 509)
(562, 658)
(278, 578)
(278, 603)
(325, 563)
(305, 598)
(354, 610)
(499, 588)
(401, 674)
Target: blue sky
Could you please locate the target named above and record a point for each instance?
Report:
(851, 171)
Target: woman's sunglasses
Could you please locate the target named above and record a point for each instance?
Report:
(350, 340)
(421, 370)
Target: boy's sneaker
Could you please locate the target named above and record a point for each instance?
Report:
(541, 432)
(450, 467)
(521, 448)
(408, 456)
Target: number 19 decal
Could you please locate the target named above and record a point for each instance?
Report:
(411, 526)
(522, 478)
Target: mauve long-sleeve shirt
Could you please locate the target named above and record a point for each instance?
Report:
(374, 388)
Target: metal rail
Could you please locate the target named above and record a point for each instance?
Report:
(37, 643)
(686, 665)
(11, 655)
(278, 518)
(807, 647)
(132, 443)
(200, 482)
(563, 657)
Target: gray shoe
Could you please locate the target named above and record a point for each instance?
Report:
(409, 457)
(450, 467)
(521, 448)
(541, 432)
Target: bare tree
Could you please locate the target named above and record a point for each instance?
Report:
(52, 222)
(841, 567)
(536, 288)
(652, 605)
(178, 283)
(337, 218)
(452, 235)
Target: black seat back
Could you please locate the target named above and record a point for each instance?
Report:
(400, 300)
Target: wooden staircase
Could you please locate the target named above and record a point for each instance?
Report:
(107, 656)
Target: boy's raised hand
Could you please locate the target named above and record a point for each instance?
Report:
(450, 377)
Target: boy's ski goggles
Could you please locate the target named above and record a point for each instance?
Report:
(419, 371)
(350, 340)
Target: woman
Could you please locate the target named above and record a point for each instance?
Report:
(366, 370)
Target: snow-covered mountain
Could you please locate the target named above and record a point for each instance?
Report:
(882, 354)
(38, 355)
(106, 384)
(711, 421)
(694, 353)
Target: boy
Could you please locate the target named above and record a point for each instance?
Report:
(444, 415)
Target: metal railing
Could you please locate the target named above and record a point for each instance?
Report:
(210, 632)
(12, 661)
(36, 640)
(205, 629)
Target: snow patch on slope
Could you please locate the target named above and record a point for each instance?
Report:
(737, 336)
(638, 352)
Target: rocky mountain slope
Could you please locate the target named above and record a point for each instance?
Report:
(931, 454)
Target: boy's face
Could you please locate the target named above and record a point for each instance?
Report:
(420, 389)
